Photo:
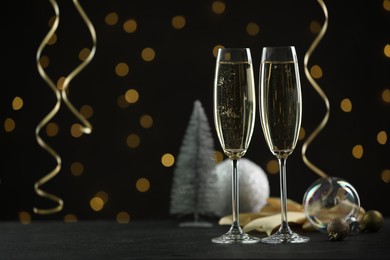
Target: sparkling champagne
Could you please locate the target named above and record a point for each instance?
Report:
(281, 106)
(235, 106)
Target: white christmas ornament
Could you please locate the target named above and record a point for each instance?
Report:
(253, 187)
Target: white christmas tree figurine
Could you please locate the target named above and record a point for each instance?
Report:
(194, 187)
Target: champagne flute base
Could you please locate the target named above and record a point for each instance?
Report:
(285, 237)
(235, 238)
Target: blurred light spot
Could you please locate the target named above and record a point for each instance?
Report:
(273, 167)
(133, 140)
(121, 69)
(122, 102)
(216, 48)
(9, 125)
(111, 18)
(76, 130)
(130, 26)
(382, 137)
(146, 121)
(52, 129)
(60, 83)
(84, 53)
(302, 134)
(346, 105)
(24, 217)
(96, 203)
(385, 175)
(123, 217)
(386, 50)
(178, 22)
(131, 96)
(315, 27)
(252, 29)
(386, 5)
(76, 168)
(386, 95)
(103, 195)
(70, 218)
(86, 111)
(316, 72)
(148, 54)
(50, 23)
(44, 61)
(218, 7)
(218, 155)
(167, 160)
(52, 40)
(142, 184)
(17, 103)
(357, 151)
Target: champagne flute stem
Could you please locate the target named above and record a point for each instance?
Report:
(283, 193)
(235, 198)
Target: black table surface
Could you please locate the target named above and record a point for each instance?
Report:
(164, 239)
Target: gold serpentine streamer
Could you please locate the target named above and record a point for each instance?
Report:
(321, 126)
(45, 120)
(87, 128)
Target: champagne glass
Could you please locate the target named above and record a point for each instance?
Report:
(280, 115)
(234, 116)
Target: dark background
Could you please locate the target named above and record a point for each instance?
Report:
(351, 56)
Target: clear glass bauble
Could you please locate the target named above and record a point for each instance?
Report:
(328, 198)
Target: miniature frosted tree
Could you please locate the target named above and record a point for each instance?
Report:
(194, 187)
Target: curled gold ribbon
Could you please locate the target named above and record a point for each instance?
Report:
(322, 124)
(87, 127)
(45, 120)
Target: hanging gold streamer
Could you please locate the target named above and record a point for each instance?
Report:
(87, 127)
(45, 120)
(322, 124)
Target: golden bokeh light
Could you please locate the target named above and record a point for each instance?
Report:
(316, 72)
(52, 129)
(70, 218)
(218, 155)
(167, 160)
(302, 134)
(122, 102)
(386, 95)
(385, 175)
(252, 29)
(315, 27)
(216, 48)
(218, 7)
(121, 69)
(111, 18)
(146, 121)
(357, 151)
(131, 96)
(9, 125)
(76, 168)
(122, 217)
(44, 61)
(346, 105)
(96, 203)
(130, 26)
(386, 5)
(386, 50)
(86, 111)
(273, 167)
(382, 137)
(84, 53)
(17, 103)
(133, 140)
(178, 22)
(76, 130)
(142, 185)
(52, 40)
(148, 54)
(24, 217)
(103, 195)
(60, 83)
